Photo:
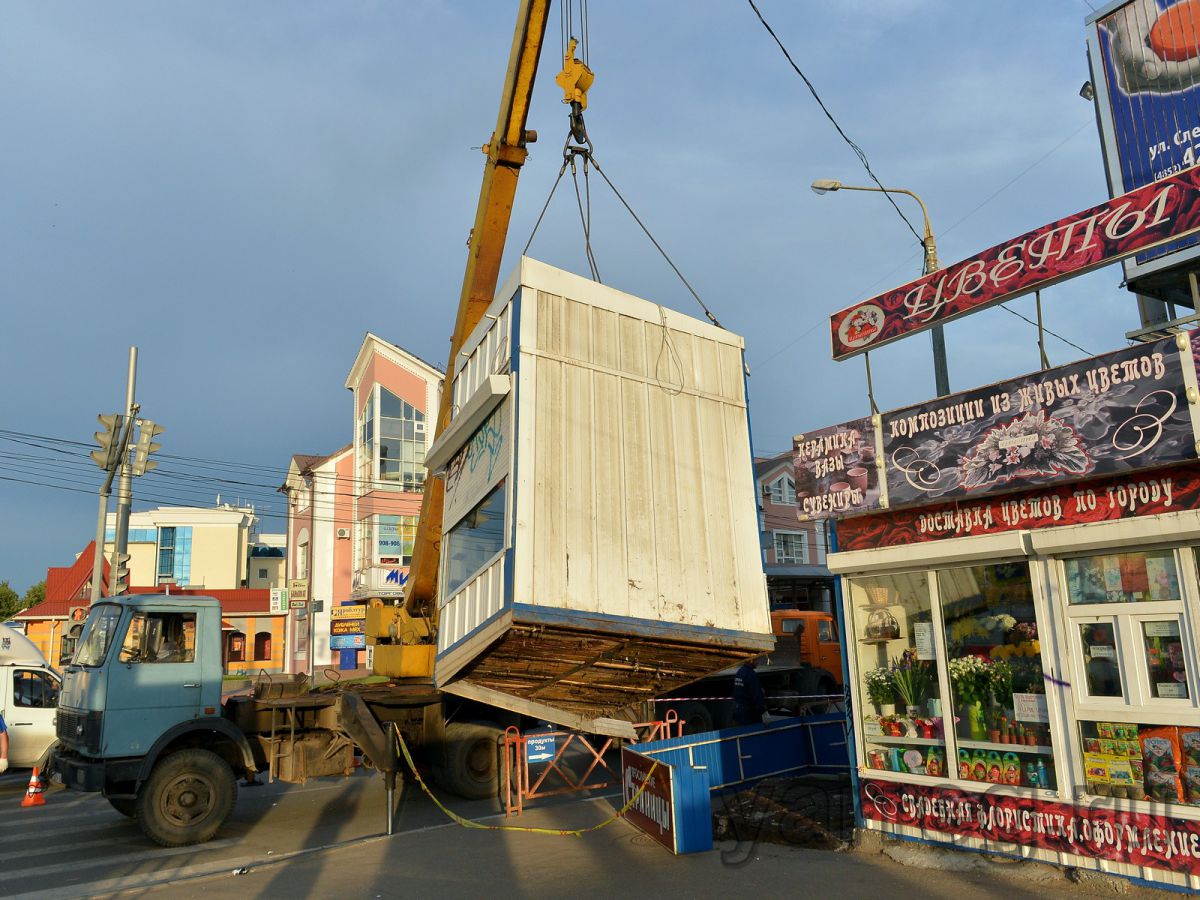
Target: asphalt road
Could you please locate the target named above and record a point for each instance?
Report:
(79, 846)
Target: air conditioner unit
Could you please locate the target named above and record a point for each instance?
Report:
(343, 533)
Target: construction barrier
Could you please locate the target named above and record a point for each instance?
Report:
(541, 764)
(673, 803)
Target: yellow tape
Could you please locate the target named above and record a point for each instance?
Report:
(467, 823)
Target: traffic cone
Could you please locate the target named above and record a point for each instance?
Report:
(34, 793)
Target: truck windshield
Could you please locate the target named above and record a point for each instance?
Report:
(97, 635)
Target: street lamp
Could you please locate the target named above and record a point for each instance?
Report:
(940, 374)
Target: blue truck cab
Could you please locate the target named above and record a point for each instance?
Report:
(140, 716)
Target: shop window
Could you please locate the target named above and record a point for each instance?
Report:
(1135, 653)
(1165, 666)
(1101, 667)
(1142, 762)
(262, 646)
(1132, 577)
(898, 673)
(997, 685)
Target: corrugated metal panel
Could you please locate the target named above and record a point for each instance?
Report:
(643, 495)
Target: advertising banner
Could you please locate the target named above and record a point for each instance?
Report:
(1146, 70)
(354, 611)
(279, 600)
(348, 642)
(348, 626)
(1126, 497)
(654, 811)
(1144, 218)
(837, 470)
(298, 590)
(1139, 839)
(1120, 412)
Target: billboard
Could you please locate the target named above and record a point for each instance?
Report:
(1145, 59)
(836, 470)
(1120, 412)
(1143, 218)
(1124, 412)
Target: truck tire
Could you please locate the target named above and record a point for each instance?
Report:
(696, 717)
(471, 760)
(187, 797)
(124, 806)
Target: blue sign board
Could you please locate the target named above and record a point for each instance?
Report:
(539, 748)
(348, 642)
(1147, 67)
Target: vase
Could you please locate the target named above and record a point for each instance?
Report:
(935, 708)
(976, 723)
(886, 709)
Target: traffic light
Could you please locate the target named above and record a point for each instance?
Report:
(147, 432)
(109, 454)
(120, 573)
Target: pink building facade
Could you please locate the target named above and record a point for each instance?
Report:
(352, 516)
(793, 551)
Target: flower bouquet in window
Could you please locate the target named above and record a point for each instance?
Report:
(971, 678)
(881, 690)
(911, 677)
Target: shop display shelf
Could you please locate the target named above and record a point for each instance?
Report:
(877, 640)
(889, 739)
(1006, 748)
(878, 605)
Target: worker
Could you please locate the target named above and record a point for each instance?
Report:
(3, 745)
(749, 701)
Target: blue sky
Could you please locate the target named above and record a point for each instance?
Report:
(243, 190)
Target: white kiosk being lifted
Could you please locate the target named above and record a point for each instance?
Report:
(601, 539)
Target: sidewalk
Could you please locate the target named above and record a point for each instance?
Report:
(450, 861)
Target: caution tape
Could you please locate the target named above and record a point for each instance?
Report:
(769, 697)
(468, 823)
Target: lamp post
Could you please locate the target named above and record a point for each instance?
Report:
(941, 376)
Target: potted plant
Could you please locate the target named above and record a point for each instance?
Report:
(911, 678)
(881, 690)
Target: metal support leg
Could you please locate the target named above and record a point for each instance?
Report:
(390, 780)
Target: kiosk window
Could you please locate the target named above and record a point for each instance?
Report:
(1164, 660)
(1100, 661)
(1134, 577)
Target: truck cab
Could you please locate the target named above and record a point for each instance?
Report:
(142, 697)
(808, 638)
(28, 699)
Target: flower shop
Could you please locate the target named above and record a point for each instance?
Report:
(1021, 603)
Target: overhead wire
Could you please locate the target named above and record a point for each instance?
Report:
(858, 151)
(866, 165)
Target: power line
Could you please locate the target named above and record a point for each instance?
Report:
(858, 151)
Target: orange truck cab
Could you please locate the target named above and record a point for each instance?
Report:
(808, 638)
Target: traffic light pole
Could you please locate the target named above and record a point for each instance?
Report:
(102, 516)
(125, 486)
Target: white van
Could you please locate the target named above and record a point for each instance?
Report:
(28, 699)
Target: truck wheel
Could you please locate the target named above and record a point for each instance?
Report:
(471, 760)
(695, 716)
(187, 797)
(124, 806)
